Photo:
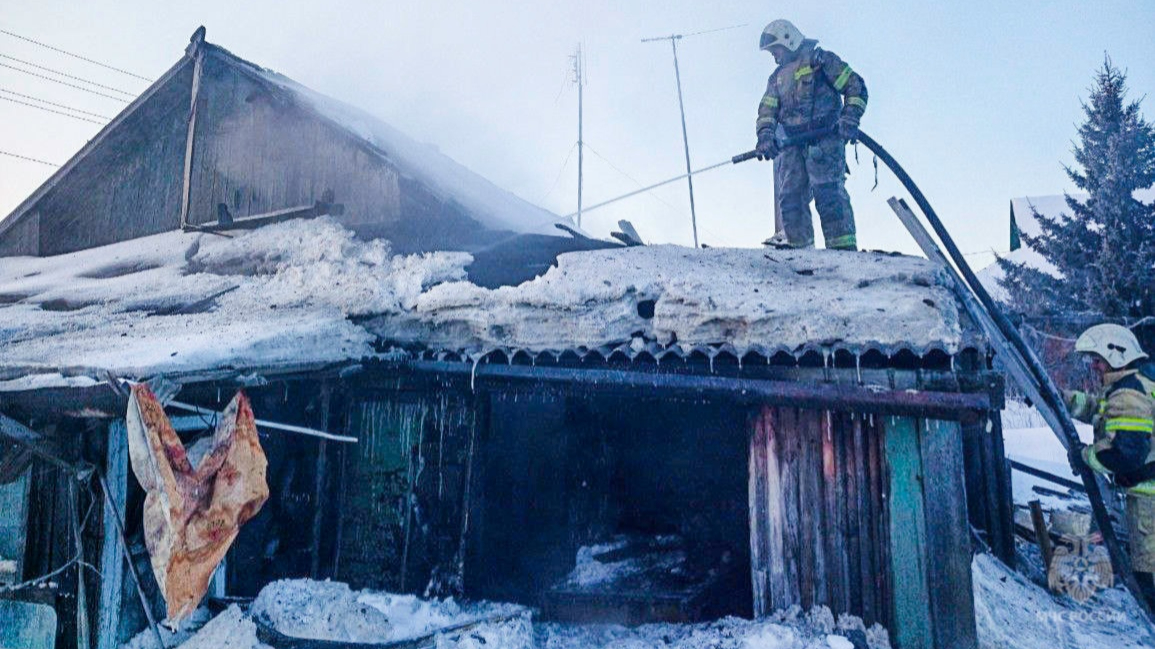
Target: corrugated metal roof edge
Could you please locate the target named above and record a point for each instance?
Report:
(869, 354)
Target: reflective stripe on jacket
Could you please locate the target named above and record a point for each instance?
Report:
(810, 92)
(1124, 421)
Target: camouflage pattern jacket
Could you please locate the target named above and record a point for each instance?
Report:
(1124, 420)
(806, 94)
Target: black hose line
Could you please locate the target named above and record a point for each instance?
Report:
(1068, 434)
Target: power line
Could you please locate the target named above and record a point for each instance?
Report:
(49, 110)
(21, 157)
(75, 56)
(51, 103)
(66, 75)
(63, 83)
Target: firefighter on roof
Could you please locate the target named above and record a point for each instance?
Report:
(1123, 415)
(817, 100)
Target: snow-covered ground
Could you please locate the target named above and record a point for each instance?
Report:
(1028, 439)
(331, 611)
(1014, 609)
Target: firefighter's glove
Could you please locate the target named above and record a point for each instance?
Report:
(848, 127)
(767, 148)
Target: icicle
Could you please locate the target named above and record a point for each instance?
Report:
(711, 365)
(858, 367)
(473, 374)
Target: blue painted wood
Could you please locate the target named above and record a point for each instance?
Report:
(27, 626)
(112, 559)
(911, 627)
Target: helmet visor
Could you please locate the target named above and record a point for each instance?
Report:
(767, 40)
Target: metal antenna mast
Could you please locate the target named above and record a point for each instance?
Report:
(674, 38)
(577, 77)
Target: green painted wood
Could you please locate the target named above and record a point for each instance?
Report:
(911, 627)
(111, 557)
(14, 525)
(948, 536)
(27, 626)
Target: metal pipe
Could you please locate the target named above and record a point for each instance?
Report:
(261, 423)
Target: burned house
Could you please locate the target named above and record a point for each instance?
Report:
(637, 434)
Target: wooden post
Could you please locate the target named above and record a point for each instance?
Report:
(1042, 536)
(111, 560)
(198, 64)
(319, 485)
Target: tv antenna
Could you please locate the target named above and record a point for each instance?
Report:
(577, 78)
(674, 38)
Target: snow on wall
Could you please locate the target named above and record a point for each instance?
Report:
(283, 295)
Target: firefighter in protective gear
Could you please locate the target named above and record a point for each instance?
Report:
(1123, 415)
(818, 101)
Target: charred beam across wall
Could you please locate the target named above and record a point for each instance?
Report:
(819, 395)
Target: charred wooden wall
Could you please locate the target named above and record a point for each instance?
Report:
(403, 490)
(866, 515)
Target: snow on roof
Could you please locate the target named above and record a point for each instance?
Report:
(493, 206)
(287, 295)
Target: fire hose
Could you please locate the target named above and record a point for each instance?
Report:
(1028, 369)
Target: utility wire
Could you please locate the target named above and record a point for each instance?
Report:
(21, 157)
(675, 208)
(559, 173)
(720, 29)
(50, 110)
(63, 83)
(50, 103)
(66, 75)
(75, 56)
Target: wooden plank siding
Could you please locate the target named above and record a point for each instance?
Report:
(258, 151)
(843, 514)
(126, 187)
(813, 503)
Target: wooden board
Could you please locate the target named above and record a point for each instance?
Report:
(911, 627)
(112, 557)
(27, 626)
(947, 536)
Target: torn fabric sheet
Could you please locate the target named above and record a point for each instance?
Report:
(192, 513)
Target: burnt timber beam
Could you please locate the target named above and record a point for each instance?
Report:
(829, 396)
(1050, 477)
(318, 208)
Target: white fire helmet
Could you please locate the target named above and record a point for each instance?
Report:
(781, 32)
(1115, 343)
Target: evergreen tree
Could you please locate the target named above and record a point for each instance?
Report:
(1104, 249)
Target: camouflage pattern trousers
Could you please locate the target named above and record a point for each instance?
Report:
(816, 170)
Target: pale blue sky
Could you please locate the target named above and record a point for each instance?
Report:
(978, 100)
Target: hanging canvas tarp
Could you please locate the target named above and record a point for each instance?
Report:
(193, 511)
